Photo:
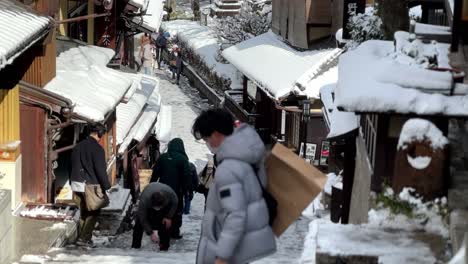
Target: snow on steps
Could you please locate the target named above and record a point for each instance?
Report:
(362, 244)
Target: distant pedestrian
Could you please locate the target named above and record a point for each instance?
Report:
(236, 226)
(173, 168)
(175, 63)
(146, 56)
(157, 206)
(189, 195)
(161, 46)
(88, 166)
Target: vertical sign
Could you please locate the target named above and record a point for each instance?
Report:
(350, 9)
(325, 153)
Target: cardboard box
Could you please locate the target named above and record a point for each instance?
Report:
(294, 183)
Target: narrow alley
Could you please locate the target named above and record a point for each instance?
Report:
(186, 104)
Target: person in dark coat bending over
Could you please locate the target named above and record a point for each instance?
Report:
(88, 165)
(173, 168)
(158, 205)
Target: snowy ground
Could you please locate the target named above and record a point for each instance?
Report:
(186, 104)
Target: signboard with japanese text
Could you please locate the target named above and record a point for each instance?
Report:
(350, 9)
(311, 149)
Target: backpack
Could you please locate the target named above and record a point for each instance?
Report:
(270, 200)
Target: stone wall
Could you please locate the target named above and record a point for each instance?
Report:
(6, 226)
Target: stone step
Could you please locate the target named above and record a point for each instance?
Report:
(228, 6)
(224, 12)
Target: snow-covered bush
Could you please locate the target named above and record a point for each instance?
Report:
(363, 27)
(210, 76)
(408, 210)
(249, 23)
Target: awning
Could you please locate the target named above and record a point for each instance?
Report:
(271, 64)
(128, 113)
(145, 123)
(151, 21)
(20, 28)
(83, 78)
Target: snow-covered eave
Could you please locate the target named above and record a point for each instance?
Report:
(145, 123)
(9, 58)
(407, 114)
(127, 117)
(340, 124)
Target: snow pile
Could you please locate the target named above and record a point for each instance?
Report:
(394, 246)
(417, 129)
(82, 77)
(41, 211)
(373, 78)
(408, 211)
(204, 44)
(56, 226)
(127, 113)
(339, 122)
(21, 28)
(281, 65)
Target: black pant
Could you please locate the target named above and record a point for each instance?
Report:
(177, 219)
(159, 55)
(156, 223)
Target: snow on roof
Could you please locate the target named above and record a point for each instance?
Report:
(313, 79)
(136, 84)
(432, 29)
(389, 246)
(147, 119)
(141, 4)
(19, 28)
(127, 113)
(164, 124)
(272, 64)
(339, 122)
(375, 78)
(153, 17)
(205, 44)
(82, 77)
(311, 86)
(417, 129)
(83, 57)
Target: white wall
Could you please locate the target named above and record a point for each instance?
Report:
(10, 179)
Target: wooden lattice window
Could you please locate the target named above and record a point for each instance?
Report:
(369, 130)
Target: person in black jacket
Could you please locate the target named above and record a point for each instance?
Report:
(173, 169)
(88, 166)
